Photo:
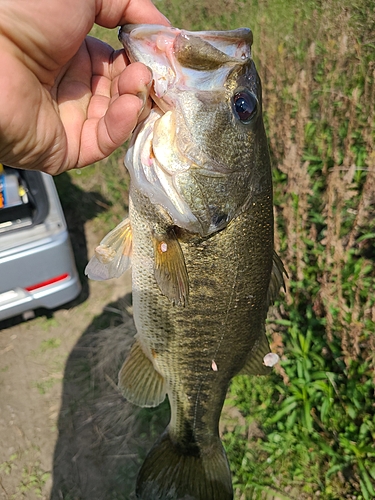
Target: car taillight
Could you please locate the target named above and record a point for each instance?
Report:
(47, 282)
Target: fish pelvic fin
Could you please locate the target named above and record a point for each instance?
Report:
(170, 268)
(277, 279)
(170, 474)
(255, 361)
(138, 380)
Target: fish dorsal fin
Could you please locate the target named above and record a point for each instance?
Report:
(277, 279)
(254, 364)
(138, 380)
(112, 257)
(170, 268)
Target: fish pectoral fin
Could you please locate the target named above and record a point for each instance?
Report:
(170, 472)
(138, 380)
(277, 279)
(112, 257)
(255, 361)
(170, 268)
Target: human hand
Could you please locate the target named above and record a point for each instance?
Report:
(67, 100)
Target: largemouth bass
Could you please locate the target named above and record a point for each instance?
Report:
(200, 241)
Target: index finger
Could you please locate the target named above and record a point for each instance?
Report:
(117, 12)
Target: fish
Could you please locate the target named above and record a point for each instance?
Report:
(200, 243)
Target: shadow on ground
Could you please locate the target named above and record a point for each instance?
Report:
(102, 439)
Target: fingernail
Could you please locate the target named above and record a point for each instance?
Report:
(151, 77)
(143, 94)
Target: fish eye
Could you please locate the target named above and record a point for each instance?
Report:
(245, 106)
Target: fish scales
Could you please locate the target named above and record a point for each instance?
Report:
(200, 240)
(225, 313)
(224, 317)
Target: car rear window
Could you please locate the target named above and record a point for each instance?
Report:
(23, 199)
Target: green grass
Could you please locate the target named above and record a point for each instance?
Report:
(45, 385)
(48, 344)
(33, 480)
(33, 477)
(100, 190)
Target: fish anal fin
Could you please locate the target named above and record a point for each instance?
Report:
(139, 382)
(170, 268)
(277, 279)
(255, 361)
(169, 473)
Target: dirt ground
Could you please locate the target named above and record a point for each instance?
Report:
(65, 431)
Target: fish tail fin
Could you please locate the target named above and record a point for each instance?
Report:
(170, 473)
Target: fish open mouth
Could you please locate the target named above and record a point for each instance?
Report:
(174, 54)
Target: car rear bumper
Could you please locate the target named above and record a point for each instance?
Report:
(55, 283)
